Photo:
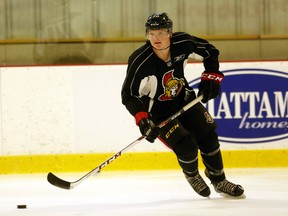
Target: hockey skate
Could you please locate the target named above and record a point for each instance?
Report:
(226, 188)
(199, 185)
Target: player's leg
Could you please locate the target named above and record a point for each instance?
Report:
(187, 155)
(185, 147)
(199, 122)
(212, 159)
(211, 156)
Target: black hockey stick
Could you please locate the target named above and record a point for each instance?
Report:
(58, 182)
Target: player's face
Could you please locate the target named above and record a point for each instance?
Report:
(159, 39)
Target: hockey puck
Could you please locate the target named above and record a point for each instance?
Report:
(21, 206)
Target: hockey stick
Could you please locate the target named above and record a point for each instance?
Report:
(58, 182)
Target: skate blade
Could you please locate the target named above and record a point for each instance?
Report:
(227, 196)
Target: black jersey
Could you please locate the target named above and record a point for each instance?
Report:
(158, 87)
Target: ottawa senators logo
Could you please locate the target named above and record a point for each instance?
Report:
(172, 86)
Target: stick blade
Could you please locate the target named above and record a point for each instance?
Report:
(56, 181)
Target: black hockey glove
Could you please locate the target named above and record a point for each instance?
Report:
(146, 126)
(210, 85)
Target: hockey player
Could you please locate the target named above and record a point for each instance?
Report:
(155, 88)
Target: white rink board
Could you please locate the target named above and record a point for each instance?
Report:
(77, 109)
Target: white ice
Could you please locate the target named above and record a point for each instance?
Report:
(142, 193)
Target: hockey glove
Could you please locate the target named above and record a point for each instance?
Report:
(210, 85)
(146, 126)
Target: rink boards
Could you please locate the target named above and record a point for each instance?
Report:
(70, 118)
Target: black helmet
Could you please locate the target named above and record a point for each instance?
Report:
(158, 21)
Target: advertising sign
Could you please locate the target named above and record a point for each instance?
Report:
(253, 106)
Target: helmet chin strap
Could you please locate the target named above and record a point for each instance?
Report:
(161, 48)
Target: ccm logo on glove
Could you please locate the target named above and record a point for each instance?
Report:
(212, 76)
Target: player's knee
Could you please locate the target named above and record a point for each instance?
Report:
(209, 143)
(186, 148)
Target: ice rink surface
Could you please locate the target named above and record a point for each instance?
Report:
(142, 193)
